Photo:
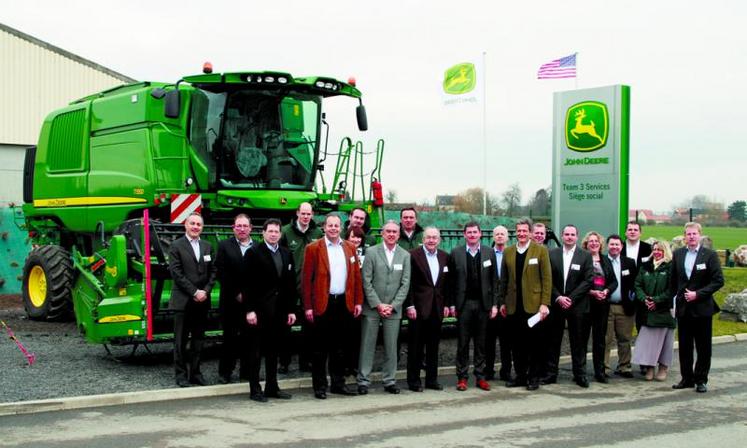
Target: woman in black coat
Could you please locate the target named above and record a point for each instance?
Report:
(603, 285)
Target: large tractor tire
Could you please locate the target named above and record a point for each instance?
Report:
(47, 284)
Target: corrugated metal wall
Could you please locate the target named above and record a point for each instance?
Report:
(35, 81)
(37, 78)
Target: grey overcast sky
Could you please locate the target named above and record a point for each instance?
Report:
(685, 61)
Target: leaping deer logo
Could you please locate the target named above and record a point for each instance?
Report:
(584, 128)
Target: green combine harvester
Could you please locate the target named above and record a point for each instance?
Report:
(115, 173)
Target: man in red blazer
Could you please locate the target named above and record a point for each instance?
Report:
(426, 307)
(332, 292)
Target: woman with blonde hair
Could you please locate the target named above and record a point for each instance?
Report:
(656, 339)
(603, 284)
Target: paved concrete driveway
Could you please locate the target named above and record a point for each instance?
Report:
(622, 413)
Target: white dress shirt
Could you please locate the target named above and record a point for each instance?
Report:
(195, 243)
(338, 267)
(432, 259)
(567, 257)
(389, 254)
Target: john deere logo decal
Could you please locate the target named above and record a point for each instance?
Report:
(586, 126)
(460, 79)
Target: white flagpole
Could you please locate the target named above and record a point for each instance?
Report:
(484, 137)
(575, 79)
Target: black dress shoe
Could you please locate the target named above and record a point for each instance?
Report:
(258, 396)
(490, 376)
(549, 379)
(701, 388)
(392, 389)
(505, 376)
(342, 390)
(516, 382)
(415, 387)
(183, 383)
(625, 374)
(434, 386)
(582, 382)
(683, 385)
(278, 394)
(533, 385)
(601, 378)
(198, 380)
(362, 390)
(320, 394)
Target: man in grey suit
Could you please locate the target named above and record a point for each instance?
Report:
(475, 300)
(193, 271)
(386, 282)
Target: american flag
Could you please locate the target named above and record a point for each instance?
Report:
(559, 68)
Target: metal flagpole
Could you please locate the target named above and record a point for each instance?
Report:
(575, 79)
(484, 137)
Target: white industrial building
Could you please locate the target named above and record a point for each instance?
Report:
(36, 79)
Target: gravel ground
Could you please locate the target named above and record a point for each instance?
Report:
(68, 366)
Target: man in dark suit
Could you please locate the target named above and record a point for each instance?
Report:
(332, 291)
(474, 289)
(696, 275)
(270, 296)
(572, 275)
(640, 252)
(231, 265)
(426, 307)
(193, 273)
(634, 248)
(526, 284)
(622, 308)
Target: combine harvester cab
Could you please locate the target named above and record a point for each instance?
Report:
(147, 154)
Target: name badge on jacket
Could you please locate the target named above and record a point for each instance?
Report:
(352, 260)
(575, 267)
(700, 266)
(487, 263)
(206, 258)
(533, 261)
(625, 272)
(397, 267)
(446, 269)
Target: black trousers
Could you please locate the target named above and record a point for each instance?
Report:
(578, 332)
(599, 314)
(329, 332)
(235, 342)
(189, 328)
(695, 332)
(527, 347)
(424, 336)
(471, 324)
(264, 342)
(497, 331)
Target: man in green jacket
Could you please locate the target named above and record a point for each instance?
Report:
(296, 235)
(410, 232)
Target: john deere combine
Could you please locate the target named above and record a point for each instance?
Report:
(143, 156)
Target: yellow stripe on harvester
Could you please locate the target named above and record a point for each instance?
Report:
(118, 318)
(87, 200)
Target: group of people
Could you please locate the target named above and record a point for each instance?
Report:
(344, 288)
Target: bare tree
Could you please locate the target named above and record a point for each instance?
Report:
(391, 196)
(511, 199)
(539, 205)
(470, 201)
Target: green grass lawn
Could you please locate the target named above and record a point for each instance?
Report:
(723, 237)
(735, 280)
